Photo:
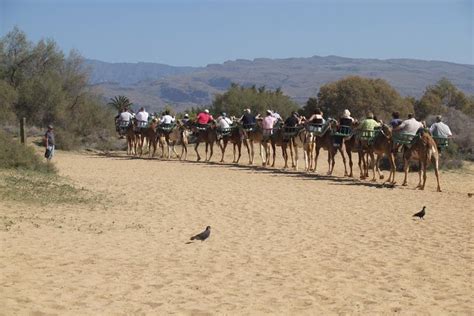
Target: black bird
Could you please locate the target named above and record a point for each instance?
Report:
(421, 213)
(204, 235)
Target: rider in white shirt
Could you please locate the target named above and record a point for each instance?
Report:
(142, 115)
(125, 116)
(223, 121)
(167, 118)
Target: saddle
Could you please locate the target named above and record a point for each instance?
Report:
(249, 127)
(290, 131)
(441, 142)
(166, 127)
(141, 125)
(202, 127)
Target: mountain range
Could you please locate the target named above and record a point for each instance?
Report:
(154, 85)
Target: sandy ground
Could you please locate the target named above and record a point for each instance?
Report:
(281, 243)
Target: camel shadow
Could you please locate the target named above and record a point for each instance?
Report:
(303, 175)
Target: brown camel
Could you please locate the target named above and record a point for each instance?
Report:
(253, 134)
(131, 138)
(306, 140)
(233, 135)
(149, 134)
(380, 144)
(169, 136)
(295, 138)
(325, 140)
(205, 134)
(424, 150)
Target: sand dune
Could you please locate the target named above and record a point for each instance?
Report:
(281, 243)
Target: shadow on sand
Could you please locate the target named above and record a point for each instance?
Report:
(333, 180)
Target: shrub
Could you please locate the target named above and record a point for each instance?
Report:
(14, 155)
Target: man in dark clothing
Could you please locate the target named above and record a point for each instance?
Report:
(49, 143)
(248, 119)
(293, 120)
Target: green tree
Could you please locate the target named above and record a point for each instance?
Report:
(120, 102)
(39, 82)
(310, 106)
(360, 96)
(237, 98)
(441, 96)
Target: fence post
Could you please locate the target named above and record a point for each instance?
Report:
(22, 130)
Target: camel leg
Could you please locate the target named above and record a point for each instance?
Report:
(436, 170)
(274, 154)
(197, 152)
(424, 164)
(292, 147)
(316, 159)
(344, 161)
(284, 152)
(239, 148)
(211, 145)
(420, 174)
(296, 157)
(406, 166)
(349, 155)
(249, 151)
(223, 147)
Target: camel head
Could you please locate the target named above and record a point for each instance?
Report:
(386, 131)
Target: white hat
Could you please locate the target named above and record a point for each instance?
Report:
(346, 113)
(186, 115)
(269, 112)
(206, 110)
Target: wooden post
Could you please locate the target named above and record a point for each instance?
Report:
(22, 130)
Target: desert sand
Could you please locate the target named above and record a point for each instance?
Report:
(281, 243)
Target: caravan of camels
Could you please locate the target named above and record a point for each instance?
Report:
(372, 140)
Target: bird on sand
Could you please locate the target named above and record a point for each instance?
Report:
(204, 235)
(421, 213)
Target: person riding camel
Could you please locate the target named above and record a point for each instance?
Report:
(167, 119)
(248, 120)
(440, 129)
(223, 124)
(369, 124)
(268, 123)
(204, 118)
(293, 120)
(409, 126)
(185, 120)
(345, 127)
(395, 119)
(142, 117)
(123, 121)
(317, 117)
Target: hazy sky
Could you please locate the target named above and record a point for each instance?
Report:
(196, 33)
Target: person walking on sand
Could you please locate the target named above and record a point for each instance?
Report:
(49, 143)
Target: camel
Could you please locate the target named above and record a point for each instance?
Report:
(325, 140)
(207, 135)
(251, 135)
(380, 144)
(131, 139)
(234, 135)
(306, 140)
(424, 150)
(150, 135)
(170, 136)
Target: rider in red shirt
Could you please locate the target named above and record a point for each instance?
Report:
(204, 117)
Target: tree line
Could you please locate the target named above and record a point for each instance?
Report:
(40, 82)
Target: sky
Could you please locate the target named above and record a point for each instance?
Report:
(197, 33)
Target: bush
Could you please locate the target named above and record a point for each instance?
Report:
(14, 155)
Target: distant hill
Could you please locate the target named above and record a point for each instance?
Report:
(154, 85)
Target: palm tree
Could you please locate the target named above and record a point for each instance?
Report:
(120, 102)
